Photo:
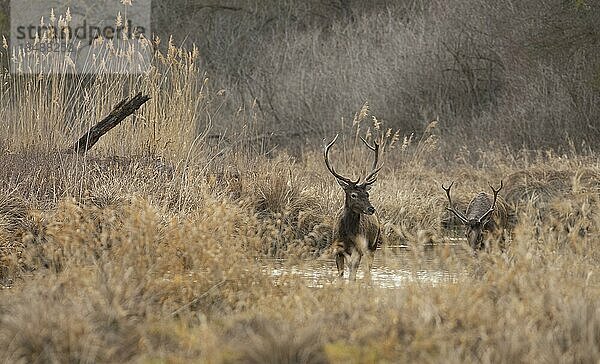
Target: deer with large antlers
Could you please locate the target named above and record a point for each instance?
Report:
(357, 231)
(478, 217)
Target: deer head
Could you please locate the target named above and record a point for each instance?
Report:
(478, 215)
(357, 195)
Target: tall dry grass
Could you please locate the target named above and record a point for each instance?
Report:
(159, 245)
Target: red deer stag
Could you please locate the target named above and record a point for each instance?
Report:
(478, 218)
(357, 231)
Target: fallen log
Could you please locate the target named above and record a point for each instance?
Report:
(122, 110)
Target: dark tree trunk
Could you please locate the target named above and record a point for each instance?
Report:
(122, 110)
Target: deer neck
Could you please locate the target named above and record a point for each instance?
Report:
(350, 222)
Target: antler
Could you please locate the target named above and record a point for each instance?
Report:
(458, 214)
(488, 212)
(372, 176)
(328, 164)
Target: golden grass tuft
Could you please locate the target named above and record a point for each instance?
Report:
(264, 340)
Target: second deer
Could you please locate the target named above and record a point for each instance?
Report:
(478, 217)
(357, 231)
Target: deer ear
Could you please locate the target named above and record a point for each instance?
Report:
(342, 183)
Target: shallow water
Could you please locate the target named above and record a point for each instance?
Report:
(393, 267)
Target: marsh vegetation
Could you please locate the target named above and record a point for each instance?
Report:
(195, 231)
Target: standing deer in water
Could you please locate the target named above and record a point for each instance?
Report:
(478, 218)
(356, 232)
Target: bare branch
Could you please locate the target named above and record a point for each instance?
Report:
(122, 110)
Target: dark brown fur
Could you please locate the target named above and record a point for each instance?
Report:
(356, 233)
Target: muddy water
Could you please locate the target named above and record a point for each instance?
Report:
(393, 267)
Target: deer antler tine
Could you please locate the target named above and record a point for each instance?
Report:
(496, 190)
(488, 212)
(335, 138)
(451, 208)
(496, 194)
(330, 167)
(369, 145)
(448, 189)
(372, 176)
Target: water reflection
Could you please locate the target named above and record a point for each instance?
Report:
(393, 267)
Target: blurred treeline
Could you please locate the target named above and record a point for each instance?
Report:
(522, 74)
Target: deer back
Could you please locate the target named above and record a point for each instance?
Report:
(481, 203)
(478, 206)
